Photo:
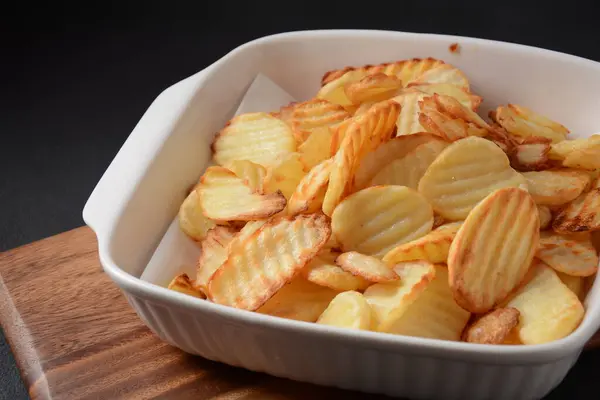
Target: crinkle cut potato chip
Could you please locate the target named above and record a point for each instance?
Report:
(570, 254)
(390, 300)
(377, 219)
(310, 191)
(317, 147)
(464, 173)
(383, 155)
(408, 121)
(284, 175)
(369, 268)
(183, 284)
(225, 197)
(464, 97)
(549, 310)
(556, 187)
(348, 310)
(433, 247)
(265, 261)
(214, 253)
(257, 137)
(581, 153)
(494, 327)
(299, 300)
(304, 118)
(480, 275)
(524, 122)
(582, 214)
(444, 73)
(322, 270)
(433, 314)
(192, 220)
(373, 88)
(408, 170)
(251, 173)
(363, 135)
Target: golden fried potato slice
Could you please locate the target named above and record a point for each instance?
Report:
(373, 88)
(545, 216)
(582, 214)
(480, 274)
(391, 299)
(464, 97)
(556, 187)
(317, 147)
(578, 153)
(570, 254)
(447, 118)
(251, 173)
(322, 270)
(444, 73)
(257, 137)
(408, 120)
(408, 170)
(299, 300)
(524, 122)
(383, 155)
(494, 327)
(310, 191)
(531, 155)
(183, 284)
(259, 265)
(369, 268)
(307, 116)
(433, 314)
(464, 173)
(433, 247)
(225, 197)
(214, 251)
(549, 309)
(375, 220)
(364, 134)
(285, 175)
(575, 283)
(348, 310)
(192, 220)
(334, 90)
(406, 70)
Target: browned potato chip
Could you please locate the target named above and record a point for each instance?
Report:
(365, 133)
(214, 253)
(308, 195)
(570, 254)
(259, 265)
(531, 155)
(225, 197)
(578, 153)
(308, 116)
(556, 187)
(466, 98)
(494, 327)
(480, 277)
(523, 122)
(257, 137)
(582, 214)
(299, 300)
(369, 268)
(183, 284)
(373, 88)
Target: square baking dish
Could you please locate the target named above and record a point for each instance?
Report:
(140, 193)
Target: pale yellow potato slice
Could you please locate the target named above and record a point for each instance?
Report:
(375, 220)
(369, 268)
(309, 116)
(284, 175)
(348, 310)
(408, 119)
(578, 153)
(309, 193)
(373, 88)
(317, 147)
(251, 173)
(556, 187)
(192, 220)
(322, 270)
(549, 309)
(493, 249)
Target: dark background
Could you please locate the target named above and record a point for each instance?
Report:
(75, 82)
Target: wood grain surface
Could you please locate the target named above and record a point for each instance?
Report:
(75, 337)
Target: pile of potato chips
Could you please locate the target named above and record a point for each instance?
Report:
(386, 203)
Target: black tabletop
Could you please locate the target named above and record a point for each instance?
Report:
(76, 82)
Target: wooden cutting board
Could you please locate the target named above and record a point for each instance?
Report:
(75, 336)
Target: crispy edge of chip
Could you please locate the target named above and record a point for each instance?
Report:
(183, 284)
(367, 267)
(310, 187)
(494, 327)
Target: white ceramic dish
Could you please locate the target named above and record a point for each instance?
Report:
(139, 195)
